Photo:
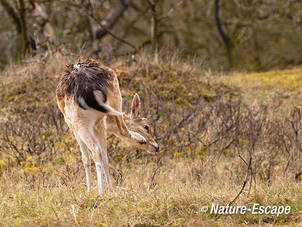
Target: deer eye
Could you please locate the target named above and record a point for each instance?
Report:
(146, 127)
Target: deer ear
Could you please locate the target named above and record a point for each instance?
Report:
(135, 106)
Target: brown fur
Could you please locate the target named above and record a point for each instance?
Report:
(90, 123)
(137, 125)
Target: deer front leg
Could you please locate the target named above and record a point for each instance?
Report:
(135, 111)
(101, 166)
(124, 131)
(106, 171)
(100, 137)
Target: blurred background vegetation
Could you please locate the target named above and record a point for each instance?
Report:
(249, 35)
(225, 136)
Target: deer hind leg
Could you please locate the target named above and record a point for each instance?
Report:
(87, 135)
(87, 165)
(86, 161)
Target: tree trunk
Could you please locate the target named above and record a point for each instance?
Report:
(226, 40)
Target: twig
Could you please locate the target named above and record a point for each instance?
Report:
(91, 14)
(243, 160)
(246, 179)
(159, 164)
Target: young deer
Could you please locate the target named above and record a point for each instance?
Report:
(89, 97)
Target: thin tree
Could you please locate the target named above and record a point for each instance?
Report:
(226, 40)
(18, 17)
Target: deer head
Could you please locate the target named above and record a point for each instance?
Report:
(140, 125)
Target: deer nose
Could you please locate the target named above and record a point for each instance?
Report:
(156, 147)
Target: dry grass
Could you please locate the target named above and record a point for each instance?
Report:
(203, 121)
(175, 200)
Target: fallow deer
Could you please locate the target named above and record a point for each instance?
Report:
(89, 97)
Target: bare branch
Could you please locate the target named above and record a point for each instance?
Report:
(112, 18)
(245, 181)
(110, 33)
